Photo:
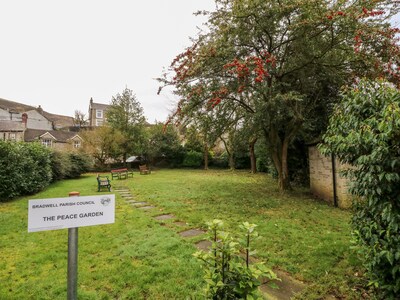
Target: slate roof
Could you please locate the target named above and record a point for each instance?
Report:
(61, 136)
(59, 121)
(11, 126)
(99, 106)
(14, 106)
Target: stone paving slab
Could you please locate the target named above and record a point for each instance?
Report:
(287, 287)
(164, 217)
(203, 245)
(191, 233)
(139, 203)
(146, 207)
(180, 223)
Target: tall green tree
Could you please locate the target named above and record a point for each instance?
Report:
(126, 115)
(283, 63)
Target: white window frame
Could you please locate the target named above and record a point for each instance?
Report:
(99, 122)
(47, 143)
(99, 114)
(77, 144)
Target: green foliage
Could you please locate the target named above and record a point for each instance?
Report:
(67, 165)
(364, 132)
(262, 164)
(103, 143)
(280, 65)
(164, 146)
(27, 168)
(24, 169)
(60, 165)
(126, 115)
(79, 163)
(193, 159)
(220, 161)
(228, 274)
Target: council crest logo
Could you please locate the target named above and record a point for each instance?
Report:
(105, 201)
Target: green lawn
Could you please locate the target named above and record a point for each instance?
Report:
(136, 258)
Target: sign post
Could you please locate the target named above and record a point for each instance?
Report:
(71, 213)
(72, 272)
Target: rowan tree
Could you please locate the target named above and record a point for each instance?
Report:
(283, 63)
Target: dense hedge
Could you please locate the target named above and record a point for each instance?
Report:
(27, 168)
(24, 169)
(364, 132)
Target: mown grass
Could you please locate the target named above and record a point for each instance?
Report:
(136, 258)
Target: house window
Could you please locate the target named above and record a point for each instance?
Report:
(99, 122)
(99, 114)
(77, 144)
(12, 136)
(47, 142)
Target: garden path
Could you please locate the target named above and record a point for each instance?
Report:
(288, 286)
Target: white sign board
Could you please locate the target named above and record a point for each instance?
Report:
(59, 213)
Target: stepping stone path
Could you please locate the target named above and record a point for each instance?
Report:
(146, 207)
(179, 223)
(139, 204)
(164, 217)
(191, 233)
(204, 245)
(287, 287)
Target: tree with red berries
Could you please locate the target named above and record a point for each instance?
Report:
(283, 63)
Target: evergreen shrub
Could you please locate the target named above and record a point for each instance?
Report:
(25, 169)
(364, 132)
(193, 159)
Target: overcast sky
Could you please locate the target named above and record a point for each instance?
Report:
(59, 54)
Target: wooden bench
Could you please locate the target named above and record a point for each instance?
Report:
(103, 182)
(144, 170)
(121, 173)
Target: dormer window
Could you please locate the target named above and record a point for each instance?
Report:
(99, 114)
(77, 144)
(47, 142)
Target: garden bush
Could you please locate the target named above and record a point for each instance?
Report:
(60, 165)
(193, 159)
(25, 168)
(79, 163)
(364, 132)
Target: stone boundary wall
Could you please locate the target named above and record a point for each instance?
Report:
(321, 178)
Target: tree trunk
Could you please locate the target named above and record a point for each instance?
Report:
(253, 155)
(231, 161)
(279, 151)
(284, 180)
(205, 156)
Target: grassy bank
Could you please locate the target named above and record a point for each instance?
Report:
(136, 258)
